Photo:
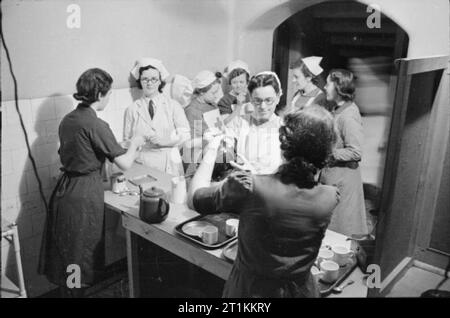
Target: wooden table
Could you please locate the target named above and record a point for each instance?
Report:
(163, 235)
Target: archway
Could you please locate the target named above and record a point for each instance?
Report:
(338, 31)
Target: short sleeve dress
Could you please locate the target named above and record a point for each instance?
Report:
(74, 229)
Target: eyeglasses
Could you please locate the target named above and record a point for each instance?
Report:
(258, 102)
(152, 80)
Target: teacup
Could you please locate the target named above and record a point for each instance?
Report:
(325, 254)
(231, 227)
(342, 255)
(210, 234)
(329, 271)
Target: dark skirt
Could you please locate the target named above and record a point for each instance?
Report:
(243, 283)
(74, 230)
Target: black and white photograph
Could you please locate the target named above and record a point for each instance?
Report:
(225, 149)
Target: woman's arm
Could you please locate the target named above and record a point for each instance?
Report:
(352, 135)
(202, 177)
(182, 127)
(128, 124)
(126, 160)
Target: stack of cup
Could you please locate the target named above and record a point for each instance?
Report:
(179, 191)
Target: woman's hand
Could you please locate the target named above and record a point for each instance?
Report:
(245, 166)
(240, 99)
(137, 141)
(214, 139)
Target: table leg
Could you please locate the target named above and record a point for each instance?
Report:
(133, 264)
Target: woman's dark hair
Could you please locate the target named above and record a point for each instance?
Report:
(91, 84)
(316, 80)
(144, 68)
(237, 72)
(263, 80)
(344, 82)
(200, 91)
(307, 139)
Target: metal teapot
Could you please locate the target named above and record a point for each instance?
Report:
(153, 205)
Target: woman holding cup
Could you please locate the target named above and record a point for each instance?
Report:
(283, 216)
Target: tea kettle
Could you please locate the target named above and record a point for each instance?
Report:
(153, 206)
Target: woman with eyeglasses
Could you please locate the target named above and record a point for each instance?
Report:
(349, 217)
(257, 133)
(158, 117)
(282, 216)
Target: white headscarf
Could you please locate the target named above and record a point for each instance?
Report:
(236, 64)
(276, 77)
(146, 61)
(203, 79)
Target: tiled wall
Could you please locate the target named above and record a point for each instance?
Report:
(20, 200)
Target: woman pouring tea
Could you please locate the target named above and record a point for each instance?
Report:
(283, 216)
(75, 220)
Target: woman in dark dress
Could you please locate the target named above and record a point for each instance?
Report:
(283, 216)
(75, 220)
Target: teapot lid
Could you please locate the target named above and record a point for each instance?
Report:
(153, 192)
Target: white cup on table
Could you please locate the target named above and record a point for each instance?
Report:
(210, 235)
(231, 227)
(179, 190)
(329, 271)
(342, 255)
(325, 254)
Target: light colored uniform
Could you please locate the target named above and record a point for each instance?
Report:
(301, 101)
(169, 121)
(260, 144)
(349, 216)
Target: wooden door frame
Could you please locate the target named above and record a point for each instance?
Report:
(406, 68)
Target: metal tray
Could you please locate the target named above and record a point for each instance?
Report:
(327, 288)
(191, 229)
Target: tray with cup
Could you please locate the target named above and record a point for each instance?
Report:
(210, 231)
(333, 265)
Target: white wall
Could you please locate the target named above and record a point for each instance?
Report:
(188, 35)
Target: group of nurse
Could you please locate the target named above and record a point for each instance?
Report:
(175, 139)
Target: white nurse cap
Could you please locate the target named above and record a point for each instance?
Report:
(146, 61)
(203, 79)
(313, 64)
(236, 64)
(276, 78)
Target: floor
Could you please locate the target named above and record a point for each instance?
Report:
(416, 281)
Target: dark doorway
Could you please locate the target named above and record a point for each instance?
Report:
(338, 31)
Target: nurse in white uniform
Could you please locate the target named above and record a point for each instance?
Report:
(305, 72)
(158, 117)
(257, 133)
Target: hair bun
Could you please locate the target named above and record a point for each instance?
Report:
(218, 75)
(80, 98)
